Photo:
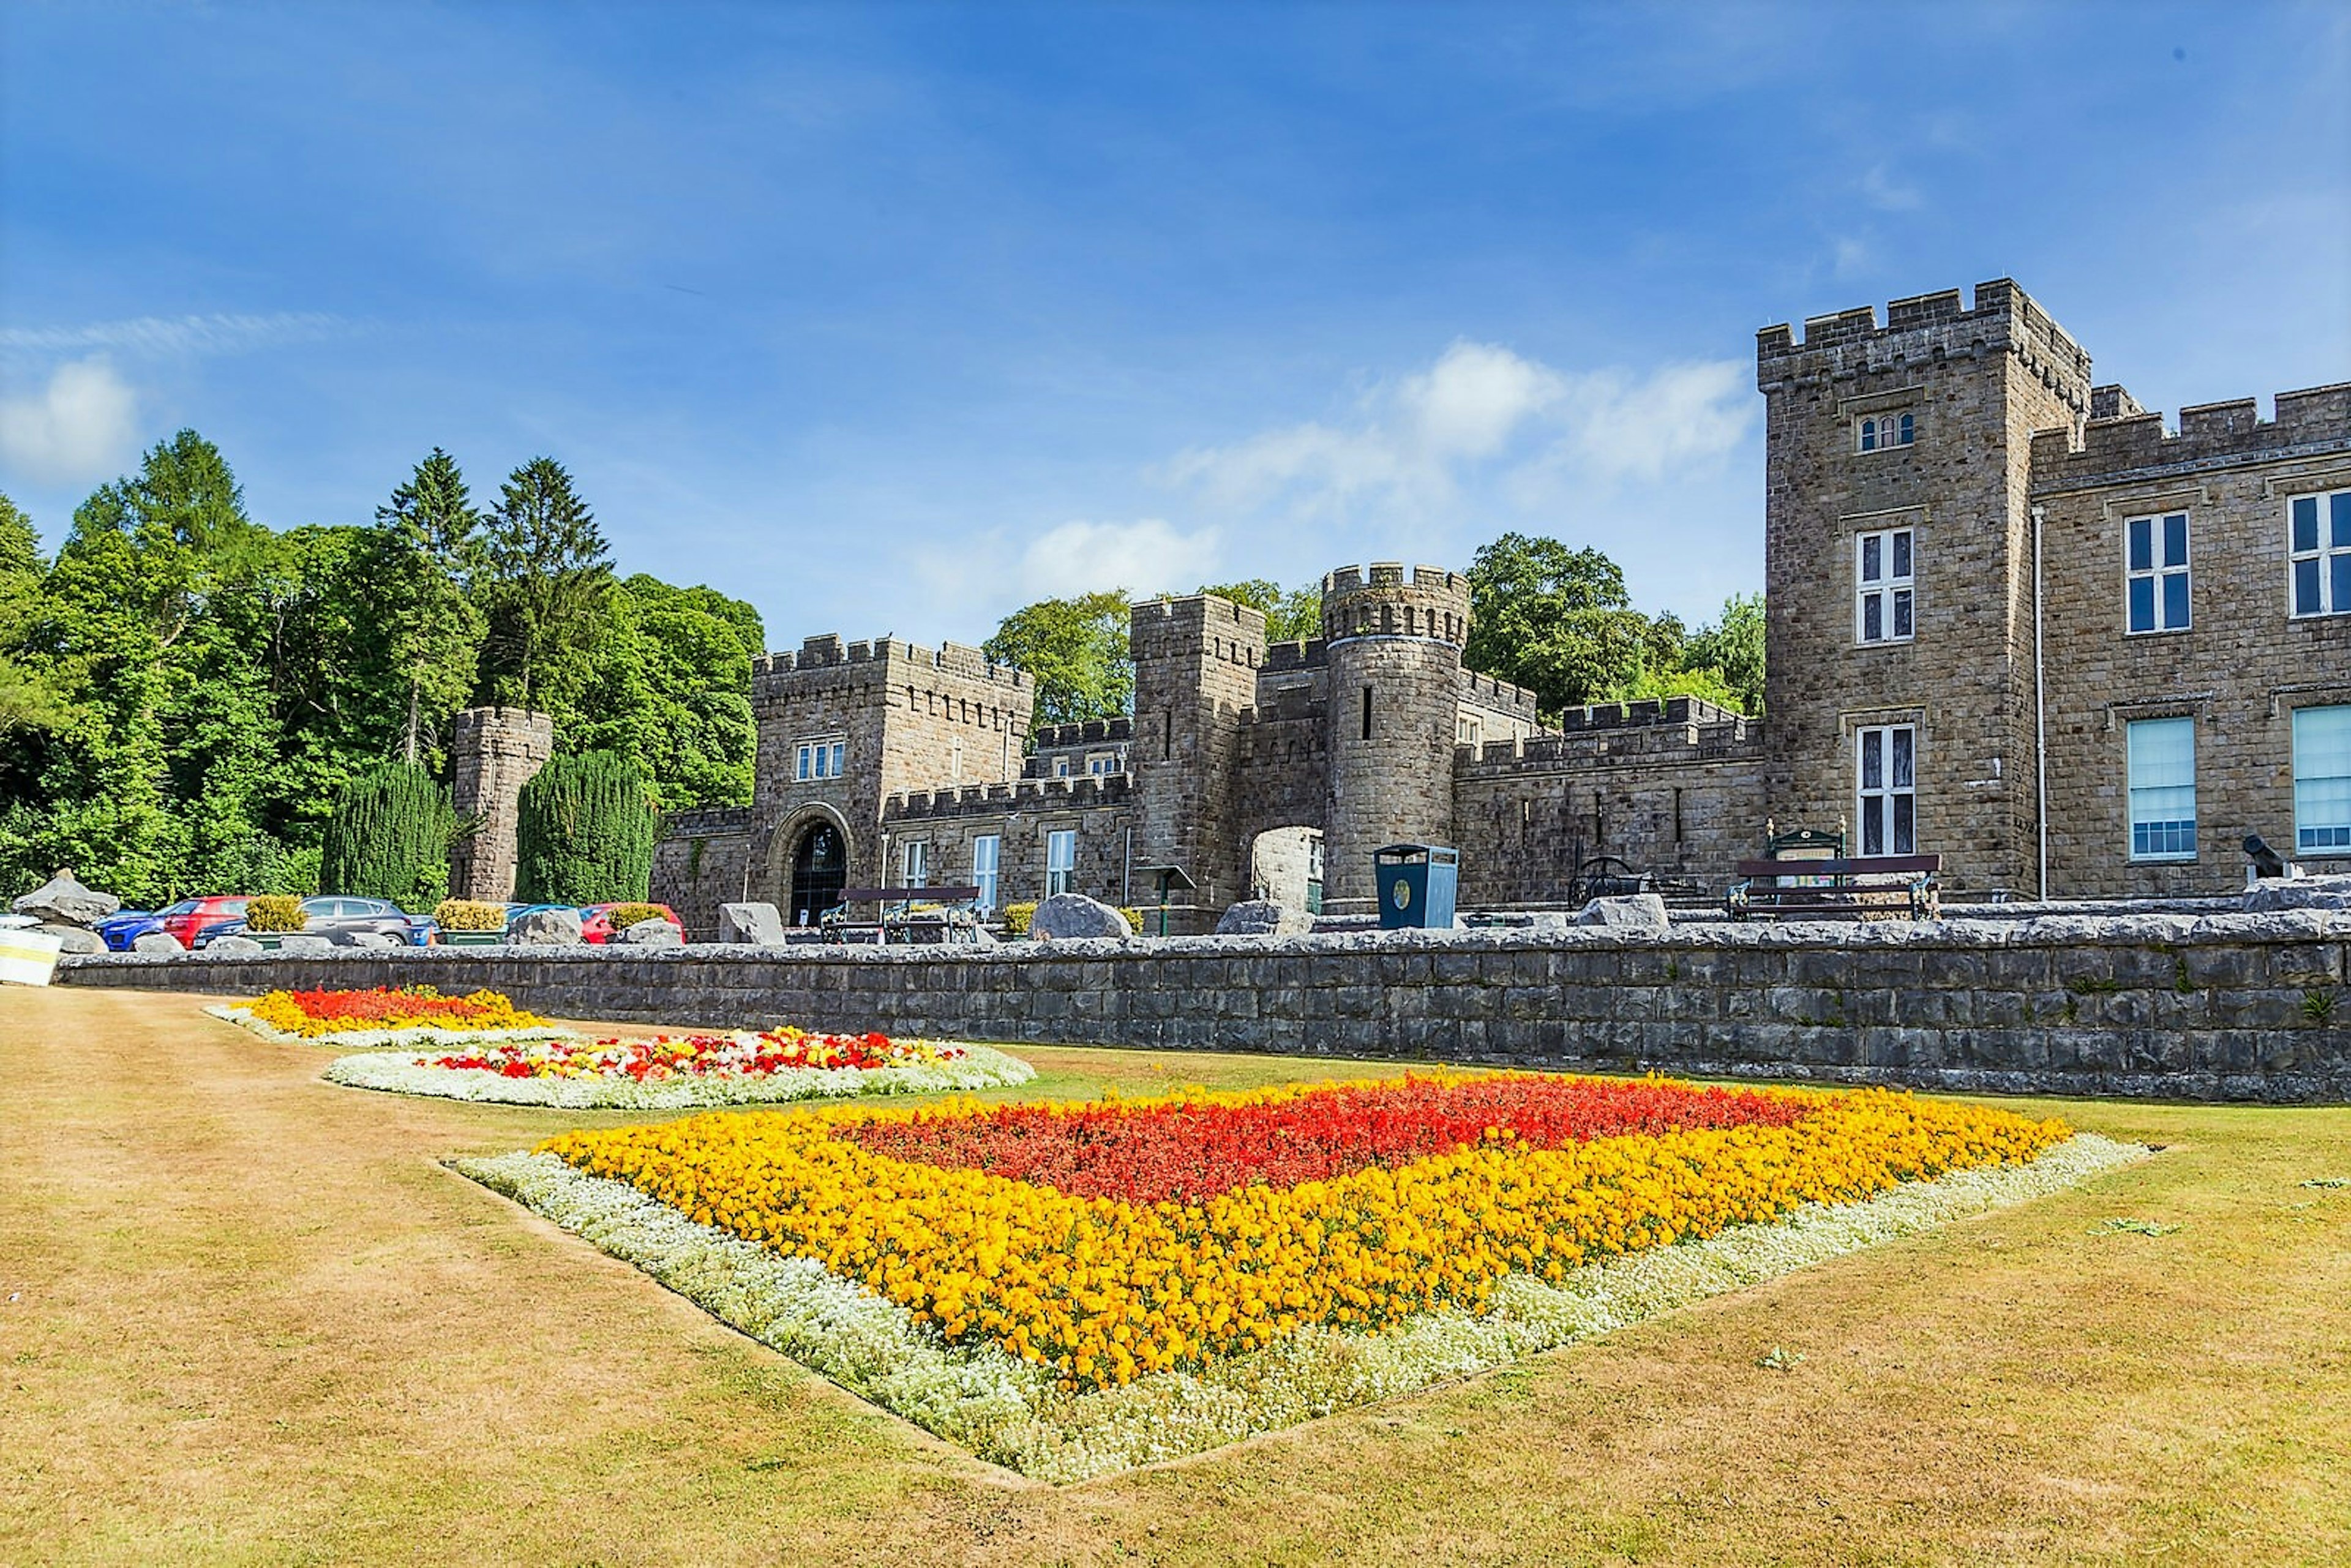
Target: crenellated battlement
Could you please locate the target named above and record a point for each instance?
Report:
(2133, 444)
(1676, 729)
(1282, 658)
(1497, 695)
(830, 652)
(1073, 793)
(1382, 601)
(1923, 328)
(1116, 730)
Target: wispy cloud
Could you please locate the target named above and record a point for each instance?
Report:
(1146, 555)
(181, 335)
(80, 426)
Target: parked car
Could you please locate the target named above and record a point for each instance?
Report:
(202, 914)
(124, 926)
(596, 920)
(338, 917)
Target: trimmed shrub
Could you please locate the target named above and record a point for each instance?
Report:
(586, 830)
(390, 838)
(627, 915)
(275, 912)
(469, 914)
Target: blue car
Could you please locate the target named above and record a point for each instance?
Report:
(125, 926)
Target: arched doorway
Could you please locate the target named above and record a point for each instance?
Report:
(819, 871)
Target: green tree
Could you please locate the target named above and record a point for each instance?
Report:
(671, 689)
(1076, 650)
(586, 827)
(431, 540)
(27, 700)
(547, 576)
(1291, 615)
(390, 838)
(1554, 619)
(1733, 647)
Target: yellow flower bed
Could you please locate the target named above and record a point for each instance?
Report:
(315, 1014)
(1104, 1292)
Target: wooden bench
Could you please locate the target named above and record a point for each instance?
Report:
(1860, 888)
(905, 916)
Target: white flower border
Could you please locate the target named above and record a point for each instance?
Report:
(979, 1067)
(384, 1039)
(1009, 1412)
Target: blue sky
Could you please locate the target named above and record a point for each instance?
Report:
(891, 318)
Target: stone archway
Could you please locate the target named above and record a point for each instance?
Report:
(816, 869)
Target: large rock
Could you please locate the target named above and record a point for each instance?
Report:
(1067, 917)
(654, 933)
(75, 939)
(1263, 917)
(233, 948)
(758, 924)
(371, 939)
(303, 943)
(63, 901)
(546, 928)
(157, 942)
(1639, 912)
(2276, 892)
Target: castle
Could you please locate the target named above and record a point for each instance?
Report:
(2012, 620)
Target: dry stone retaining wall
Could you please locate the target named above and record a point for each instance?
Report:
(2241, 1007)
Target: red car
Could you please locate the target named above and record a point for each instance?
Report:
(596, 920)
(184, 919)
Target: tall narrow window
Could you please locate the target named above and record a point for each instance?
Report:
(2155, 563)
(1368, 713)
(2162, 763)
(1886, 773)
(1885, 586)
(1061, 860)
(917, 863)
(2319, 548)
(2322, 780)
(984, 852)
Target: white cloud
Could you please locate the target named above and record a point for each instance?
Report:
(1616, 426)
(79, 427)
(213, 334)
(1147, 556)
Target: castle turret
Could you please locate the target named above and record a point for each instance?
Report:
(495, 752)
(1393, 647)
(1196, 665)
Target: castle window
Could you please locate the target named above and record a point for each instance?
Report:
(1886, 779)
(916, 861)
(2156, 572)
(2162, 764)
(984, 849)
(1368, 713)
(1061, 860)
(1468, 730)
(2319, 548)
(1884, 431)
(1100, 762)
(2322, 780)
(1885, 586)
(1061, 768)
(819, 759)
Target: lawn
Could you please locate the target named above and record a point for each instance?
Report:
(255, 1319)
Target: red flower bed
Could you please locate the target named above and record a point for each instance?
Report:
(699, 1055)
(1187, 1152)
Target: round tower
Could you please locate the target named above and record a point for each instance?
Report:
(493, 752)
(1393, 644)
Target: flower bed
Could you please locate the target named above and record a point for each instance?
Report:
(678, 1071)
(1074, 1288)
(387, 1017)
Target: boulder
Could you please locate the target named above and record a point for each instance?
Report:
(157, 942)
(1067, 917)
(233, 948)
(546, 928)
(1639, 911)
(304, 944)
(63, 901)
(758, 924)
(654, 933)
(1263, 917)
(371, 939)
(75, 939)
(2274, 893)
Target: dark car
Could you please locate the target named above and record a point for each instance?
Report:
(338, 917)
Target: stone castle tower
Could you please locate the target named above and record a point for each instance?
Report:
(1899, 573)
(1393, 642)
(493, 752)
(1196, 671)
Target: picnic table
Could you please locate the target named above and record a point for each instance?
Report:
(905, 916)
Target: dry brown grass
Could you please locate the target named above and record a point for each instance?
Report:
(256, 1321)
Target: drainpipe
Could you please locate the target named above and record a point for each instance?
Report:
(2040, 721)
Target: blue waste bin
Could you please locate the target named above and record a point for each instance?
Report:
(1415, 884)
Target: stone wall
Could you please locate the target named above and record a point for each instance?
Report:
(706, 858)
(2230, 1006)
(493, 752)
(2239, 670)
